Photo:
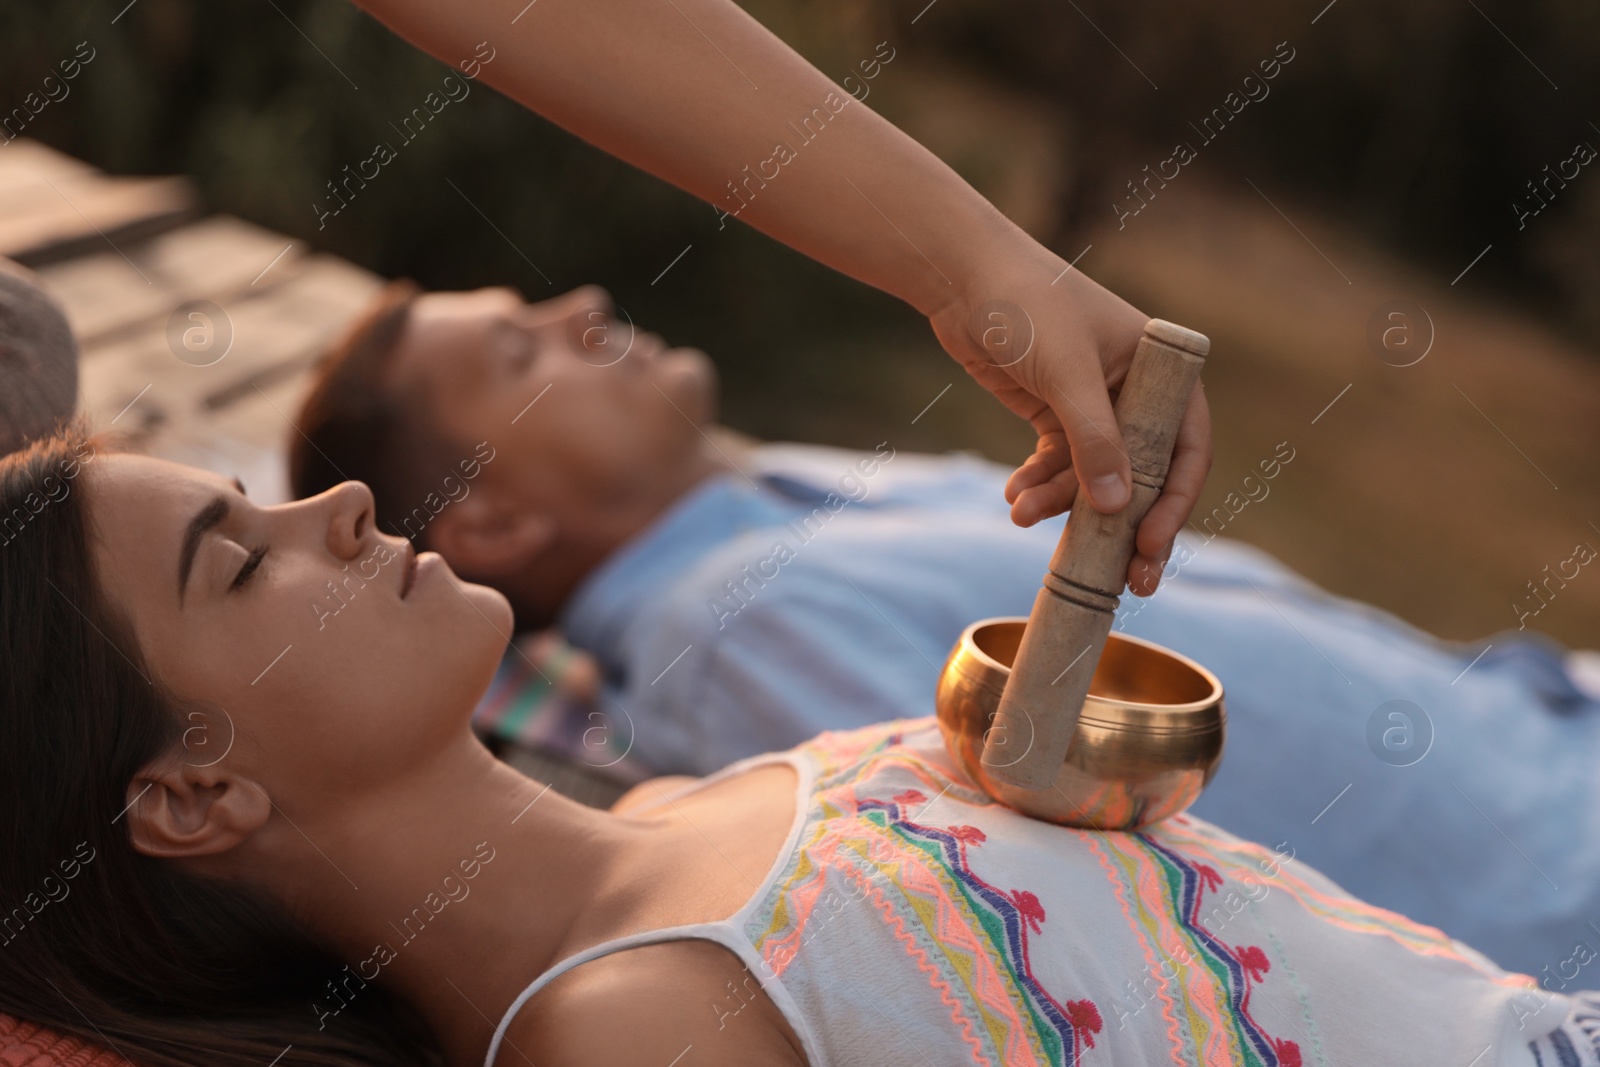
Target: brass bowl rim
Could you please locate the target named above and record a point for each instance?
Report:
(972, 649)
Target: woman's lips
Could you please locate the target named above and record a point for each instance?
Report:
(410, 575)
(418, 566)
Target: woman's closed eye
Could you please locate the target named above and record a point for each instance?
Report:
(251, 563)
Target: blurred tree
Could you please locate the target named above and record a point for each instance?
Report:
(1417, 122)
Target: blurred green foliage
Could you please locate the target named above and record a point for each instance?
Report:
(1417, 122)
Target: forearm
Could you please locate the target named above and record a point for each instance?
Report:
(700, 94)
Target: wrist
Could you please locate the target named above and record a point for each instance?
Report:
(982, 255)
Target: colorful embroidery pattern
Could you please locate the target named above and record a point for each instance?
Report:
(849, 752)
(897, 925)
(968, 937)
(1332, 905)
(1008, 917)
(1204, 983)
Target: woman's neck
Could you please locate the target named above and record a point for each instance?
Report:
(456, 887)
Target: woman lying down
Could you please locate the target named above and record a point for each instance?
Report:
(243, 830)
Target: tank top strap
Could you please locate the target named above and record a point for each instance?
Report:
(794, 759)
(721, 932)
(729, 933)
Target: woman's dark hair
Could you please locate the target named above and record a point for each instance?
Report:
(96, 939)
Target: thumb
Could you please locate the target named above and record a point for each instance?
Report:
(1098, 455)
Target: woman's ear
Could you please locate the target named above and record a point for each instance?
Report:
(483, 536)
(183, 810)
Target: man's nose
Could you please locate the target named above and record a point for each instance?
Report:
(591, 319)
(591, 304)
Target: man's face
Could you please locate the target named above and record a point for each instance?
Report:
(581, 409)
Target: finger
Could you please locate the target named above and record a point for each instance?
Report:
(1098, 454)
(1144, 573)
(1048, 498)
(1050, 457)
(1191, 460)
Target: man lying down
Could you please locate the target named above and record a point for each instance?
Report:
(742, 598)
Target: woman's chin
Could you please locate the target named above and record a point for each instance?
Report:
(493, 604)
(495, 620)
(483, 602)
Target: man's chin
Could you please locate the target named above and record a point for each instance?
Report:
(689, 379)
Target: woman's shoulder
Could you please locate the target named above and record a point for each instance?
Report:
(650, 1004)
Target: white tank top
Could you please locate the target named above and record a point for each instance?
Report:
(910, 919)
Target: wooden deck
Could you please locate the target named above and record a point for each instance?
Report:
(198, 334)
(213, 383)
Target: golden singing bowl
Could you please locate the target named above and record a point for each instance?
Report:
(1149, 739)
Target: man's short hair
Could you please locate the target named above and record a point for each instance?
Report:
(357, 423)
(38, 359)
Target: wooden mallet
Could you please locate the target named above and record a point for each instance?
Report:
(1072, 615)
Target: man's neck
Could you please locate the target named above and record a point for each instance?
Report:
(734, 451)
(540, 592)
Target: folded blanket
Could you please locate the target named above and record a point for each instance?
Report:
(545, 699)
(25, 1044)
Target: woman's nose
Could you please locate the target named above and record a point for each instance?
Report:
(350, 509)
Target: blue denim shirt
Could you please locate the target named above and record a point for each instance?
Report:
(822, 588)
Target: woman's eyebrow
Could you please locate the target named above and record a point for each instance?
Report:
(205, 519)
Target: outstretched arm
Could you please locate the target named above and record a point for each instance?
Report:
(700, 94)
